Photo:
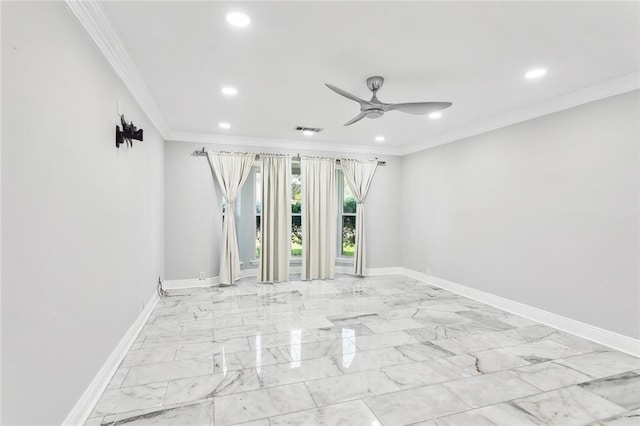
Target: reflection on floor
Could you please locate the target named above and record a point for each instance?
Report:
(361, 351)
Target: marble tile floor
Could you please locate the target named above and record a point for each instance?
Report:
(360, 351)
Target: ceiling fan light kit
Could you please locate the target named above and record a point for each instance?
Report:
(376, 109)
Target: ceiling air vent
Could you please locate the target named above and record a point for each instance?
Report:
(308, 129)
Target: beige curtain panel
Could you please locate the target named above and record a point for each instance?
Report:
(275, 232)
(359, 175)
(231, 171)
(318, 177)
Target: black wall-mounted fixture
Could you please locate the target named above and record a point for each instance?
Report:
(128, 133)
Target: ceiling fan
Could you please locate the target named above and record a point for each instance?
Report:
(375, 109)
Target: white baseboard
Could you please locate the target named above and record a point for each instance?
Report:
(376, 272)
(81, 411)
(604, 337)
(190, 283)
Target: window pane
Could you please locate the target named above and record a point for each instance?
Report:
(296, 194)
(348, 235)
(258, 193)
(296, 235)
(349, 202)
(224, 210)
(296, 207)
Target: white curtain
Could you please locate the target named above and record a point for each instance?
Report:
(318, 218)
(275, 226)
(359, 175)
(231, 170)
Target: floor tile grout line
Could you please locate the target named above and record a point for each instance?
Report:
(310, 394)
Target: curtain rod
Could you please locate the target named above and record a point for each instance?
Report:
(202, 152)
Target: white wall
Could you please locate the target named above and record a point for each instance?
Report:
(544, 212)
(193, 216)
(82, 231)
(193, 211)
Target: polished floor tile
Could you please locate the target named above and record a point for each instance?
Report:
(247, 406)
(349, 413)
(374, 351)
(157, 372)
(500, 414)
(602, 364)
(414, 405)
(198, 413)
(492, 388)
(622, 389)
(549, 375)
(420, 373)
(130, 398)
(568, 406)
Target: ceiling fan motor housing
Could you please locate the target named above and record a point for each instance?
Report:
(374, 112)
(375, 82)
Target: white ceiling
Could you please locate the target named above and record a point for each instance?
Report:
(473, 54)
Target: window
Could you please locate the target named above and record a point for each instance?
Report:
(296, 210)
(347, 206)
(347, 218)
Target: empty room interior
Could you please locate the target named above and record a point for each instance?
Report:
(320, 213)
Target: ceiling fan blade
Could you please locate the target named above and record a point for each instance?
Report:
(346, 94)
(417, 107)
(356, 118)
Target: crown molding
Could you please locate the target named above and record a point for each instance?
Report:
(616, 86)
(102, 32)
(270, 143)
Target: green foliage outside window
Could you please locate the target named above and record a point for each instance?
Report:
(348, 223)
(296, 220)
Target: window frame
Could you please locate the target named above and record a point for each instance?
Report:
(341, 182)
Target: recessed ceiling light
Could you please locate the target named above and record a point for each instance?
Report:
(435, 115)
(535, 73)
(229, 91)
(238, 19)
(307, 132)
(380, 138)
(224, 125)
